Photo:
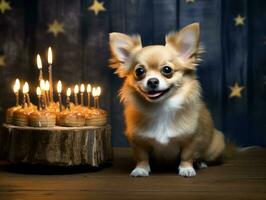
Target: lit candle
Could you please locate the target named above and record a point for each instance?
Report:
(16, 88)
(43, 96)
(39, 65)
(50, 61)
(39, 92)
(46, 89)
(82, 89)
(24, 91)
(68, 94)
(59, 90)
(89, 95)
(27, 89)
(98, 91)
(76, 91)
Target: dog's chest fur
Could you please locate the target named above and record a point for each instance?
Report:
(172, 120)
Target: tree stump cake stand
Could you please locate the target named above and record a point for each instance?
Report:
(58, 146)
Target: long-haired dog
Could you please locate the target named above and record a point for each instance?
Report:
(165, 116)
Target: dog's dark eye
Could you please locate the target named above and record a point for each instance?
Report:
(167, 71)
(140, 72)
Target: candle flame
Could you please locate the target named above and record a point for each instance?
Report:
(25, 88)
(98, 90)
(59, 86)
(39, 62)
(47, 85)
(50, 56)
(68, 93)
(42, 84)
(82, 87)
(38, 91)
(17, 83)
(95, 92)
(88, 88)
(16, 86)
(76, 89)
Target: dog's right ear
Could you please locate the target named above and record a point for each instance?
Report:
(122, 46)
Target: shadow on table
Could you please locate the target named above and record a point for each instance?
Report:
(50, 170)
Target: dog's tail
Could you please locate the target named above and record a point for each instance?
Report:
(220, 149)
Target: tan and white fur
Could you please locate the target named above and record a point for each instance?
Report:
(164, 113)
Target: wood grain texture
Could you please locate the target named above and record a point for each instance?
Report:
(235, 179)
(59, 146)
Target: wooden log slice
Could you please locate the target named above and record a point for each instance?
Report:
(62, 146)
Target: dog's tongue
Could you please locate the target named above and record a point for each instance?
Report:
(154, 93)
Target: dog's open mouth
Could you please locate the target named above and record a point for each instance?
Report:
(156, 94)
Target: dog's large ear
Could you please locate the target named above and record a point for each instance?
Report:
(122, 46)
(186, 41)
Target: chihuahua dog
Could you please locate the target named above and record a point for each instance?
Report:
(165, 116)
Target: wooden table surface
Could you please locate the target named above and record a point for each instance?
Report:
(243, 177)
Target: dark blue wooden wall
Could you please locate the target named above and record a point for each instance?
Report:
(234, 53)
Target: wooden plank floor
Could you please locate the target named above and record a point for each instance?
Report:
(243, 177)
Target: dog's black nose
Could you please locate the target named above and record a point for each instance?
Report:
(153, 83)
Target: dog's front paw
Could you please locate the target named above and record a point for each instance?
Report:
(140, 172)
(187, 171)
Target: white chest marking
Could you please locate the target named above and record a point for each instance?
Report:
(170, 122)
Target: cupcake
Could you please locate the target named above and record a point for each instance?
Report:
(42, 119)
(10, 114)
(96, 117)
(70, 118)
(21, 116)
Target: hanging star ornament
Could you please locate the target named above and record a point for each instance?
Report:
(55, 28)
(4, 6)
(236, 91)
(239, 20)
(96, 7)
(2, 60)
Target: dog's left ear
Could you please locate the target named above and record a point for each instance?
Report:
(122, 46)
(186, 41)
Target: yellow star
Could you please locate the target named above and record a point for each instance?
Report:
(56, 28)
(236, 91)
(97, 6)
(190, 1)
(239, 20)
(4, 5)
(2, 60)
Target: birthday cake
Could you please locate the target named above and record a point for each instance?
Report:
(49, 113)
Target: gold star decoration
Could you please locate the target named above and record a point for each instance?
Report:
(4, 6)
(96, 7)
(56, 28)
(190, 1)
(239, 20)
(2, 60)
(236, 91)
